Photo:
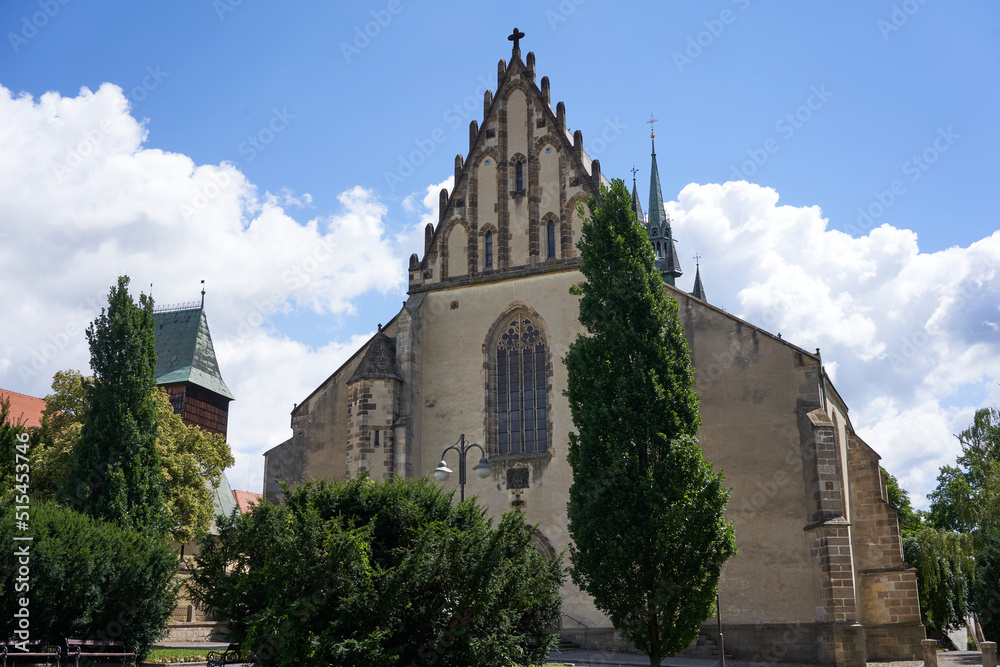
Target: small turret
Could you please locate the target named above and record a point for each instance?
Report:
(699, 289)
(636, 206)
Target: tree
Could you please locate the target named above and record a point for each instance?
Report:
(899, 498)
(191, 459)
(12, 443)
(646, 512)
(967, 497)
(380, 573)
(115, 471)
(945, 568)
(65, 410)
(958, 567)
(986, 589)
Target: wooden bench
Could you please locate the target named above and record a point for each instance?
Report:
(37, 650)
(90, 649)
(231, 656)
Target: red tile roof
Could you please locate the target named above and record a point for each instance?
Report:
(246, 500)
(24, 409)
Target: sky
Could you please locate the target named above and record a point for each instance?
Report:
(833, 165)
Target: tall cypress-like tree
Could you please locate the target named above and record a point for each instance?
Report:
(646, 511)
(115, 474)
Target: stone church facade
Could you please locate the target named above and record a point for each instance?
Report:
(477, 350)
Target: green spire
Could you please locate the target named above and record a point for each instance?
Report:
(655, 195)
(660, 233)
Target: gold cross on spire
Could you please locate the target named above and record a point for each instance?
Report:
(652, 135)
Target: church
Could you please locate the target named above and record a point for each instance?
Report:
(476, 353)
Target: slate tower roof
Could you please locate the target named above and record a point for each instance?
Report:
(699, 289)
(184, 350)
(636, 206)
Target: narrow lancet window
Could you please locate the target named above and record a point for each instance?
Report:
(551, 229)
(520, 177)
(489, 249)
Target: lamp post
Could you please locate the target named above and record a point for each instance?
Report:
(482, 468)
(722, 642)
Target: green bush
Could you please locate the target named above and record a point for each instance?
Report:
(88, 578)
(986, 589)
(373, 573)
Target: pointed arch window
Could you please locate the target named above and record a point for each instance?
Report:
(551, 231)
(519, 388)
(519, 177)
(488, 242)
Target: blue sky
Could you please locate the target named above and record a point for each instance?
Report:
(334, 122)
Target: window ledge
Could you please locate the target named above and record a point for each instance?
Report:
(521, 456)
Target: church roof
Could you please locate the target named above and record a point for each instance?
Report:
(659, 225)
(379, 360)
(656, 215)
(184, 350)
(223, 501)
(699, 289)
(636, 206)
(673, 262)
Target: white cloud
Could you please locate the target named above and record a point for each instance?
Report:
(427, 208)
(82, 200)
(908, 334)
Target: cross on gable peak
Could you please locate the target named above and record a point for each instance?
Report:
(516, 37)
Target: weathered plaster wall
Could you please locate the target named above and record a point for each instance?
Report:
(753, 388)
(318, 446)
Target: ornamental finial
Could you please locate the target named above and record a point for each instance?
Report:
(515, 37)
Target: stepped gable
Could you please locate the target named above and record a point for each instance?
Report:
(511, 154)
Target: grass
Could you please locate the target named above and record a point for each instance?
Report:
(180, 656)
(176, 655)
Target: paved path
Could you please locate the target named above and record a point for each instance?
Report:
(610, 659)
(959, 659)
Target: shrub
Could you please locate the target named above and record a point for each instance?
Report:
(88, 578)
(373, 573)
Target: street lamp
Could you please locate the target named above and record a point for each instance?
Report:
(722, 641)
(483, 468)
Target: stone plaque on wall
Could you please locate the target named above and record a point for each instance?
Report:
(517, 478)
